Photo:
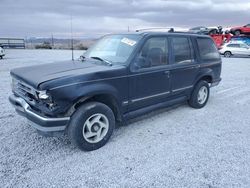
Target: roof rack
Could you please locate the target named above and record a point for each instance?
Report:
(170, 29)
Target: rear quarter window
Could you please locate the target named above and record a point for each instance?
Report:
(207, 49)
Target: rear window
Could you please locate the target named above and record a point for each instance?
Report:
(207, 49)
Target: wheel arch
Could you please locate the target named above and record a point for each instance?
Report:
(228, 51)
(107, 97)
(206, 75)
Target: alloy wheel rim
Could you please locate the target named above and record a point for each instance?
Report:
(202, 95)
(95, 128)
(228, 54)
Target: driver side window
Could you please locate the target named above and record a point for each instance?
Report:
(153, 53)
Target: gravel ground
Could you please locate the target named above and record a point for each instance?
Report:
(176, 147)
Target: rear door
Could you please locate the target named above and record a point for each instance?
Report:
(235, 49)
(184, 65)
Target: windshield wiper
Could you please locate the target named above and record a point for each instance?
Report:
(103, 60)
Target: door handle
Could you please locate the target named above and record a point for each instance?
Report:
(194, 67)
(167, 73)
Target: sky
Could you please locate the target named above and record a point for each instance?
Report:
(91, 18)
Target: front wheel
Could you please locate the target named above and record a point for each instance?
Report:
(91, 126)
(199, 95)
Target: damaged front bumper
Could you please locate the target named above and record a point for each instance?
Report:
(36, 120)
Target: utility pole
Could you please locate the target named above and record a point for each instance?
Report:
(128, 28)
(52, 41)
(26, 42)
(72, 42)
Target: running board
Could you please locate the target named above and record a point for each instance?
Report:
(151, 108)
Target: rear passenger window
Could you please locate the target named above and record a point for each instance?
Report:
(182, 50)
(207, 49)
(233, 45)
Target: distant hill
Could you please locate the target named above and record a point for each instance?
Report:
(57, 43)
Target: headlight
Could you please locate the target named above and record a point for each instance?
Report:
(46, 99)
(43, 95)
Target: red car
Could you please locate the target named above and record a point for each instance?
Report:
(241, 30)
(220, 39)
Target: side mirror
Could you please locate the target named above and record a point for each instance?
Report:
(141, 62)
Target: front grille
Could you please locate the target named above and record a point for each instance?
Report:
(24, 90)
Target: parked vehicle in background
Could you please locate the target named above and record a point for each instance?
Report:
(241, 38)
(122, 76)
(240, 30)
(235, 49)
(45, 45)
(2, 52)
(220, 39)
(204, 30)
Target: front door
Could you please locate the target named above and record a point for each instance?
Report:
(149, 81)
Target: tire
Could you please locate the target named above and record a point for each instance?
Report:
(197, 100)
(227, 54)
(237, 32)
(91, 126)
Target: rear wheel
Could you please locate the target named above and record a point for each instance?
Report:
(237, 32)
(91, 126)
(227, 54)
(199, 95)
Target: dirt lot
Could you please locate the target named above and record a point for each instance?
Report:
(177, 147)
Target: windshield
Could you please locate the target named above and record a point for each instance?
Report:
(113, 48)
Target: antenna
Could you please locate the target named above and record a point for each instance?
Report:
(72, 42)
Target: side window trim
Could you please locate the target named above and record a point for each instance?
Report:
(192, 51)
(195, 49)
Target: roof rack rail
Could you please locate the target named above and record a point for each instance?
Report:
(170, 29)
(188, 32)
